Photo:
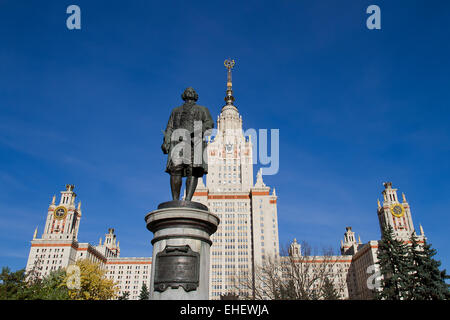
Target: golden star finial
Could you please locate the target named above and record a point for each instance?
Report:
(229, 64)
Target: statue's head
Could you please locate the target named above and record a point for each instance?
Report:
(189, 94)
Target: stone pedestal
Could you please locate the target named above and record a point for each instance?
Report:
(181, 250)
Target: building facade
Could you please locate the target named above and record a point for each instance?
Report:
(58, 247)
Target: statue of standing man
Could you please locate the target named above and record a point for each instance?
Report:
(184, 142)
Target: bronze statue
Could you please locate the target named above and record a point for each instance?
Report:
(185, 144)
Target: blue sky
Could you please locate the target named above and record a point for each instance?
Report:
(354, 108)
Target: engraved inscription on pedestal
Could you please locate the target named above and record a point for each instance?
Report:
(177, 266)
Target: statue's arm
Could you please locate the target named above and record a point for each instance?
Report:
(208, 122)
(167, 135)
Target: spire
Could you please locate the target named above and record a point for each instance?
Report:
(35, 233)
(53, 200)
(79, 206)
(421, 230)
(273, 192)
(229, 99)
(200, 184)
(259, 179)
(379, 204)
(359, 239)
(404, 197)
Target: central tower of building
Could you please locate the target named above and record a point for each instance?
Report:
(230, 162)
(248, 231)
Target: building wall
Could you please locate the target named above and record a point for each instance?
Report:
(365, 257)
(248, 231)
(130, 274)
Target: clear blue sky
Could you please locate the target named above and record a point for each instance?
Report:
(354, 108)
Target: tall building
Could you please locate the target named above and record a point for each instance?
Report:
(248, 231)
(58, 248)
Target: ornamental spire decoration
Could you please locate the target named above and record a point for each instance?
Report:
(229, 99)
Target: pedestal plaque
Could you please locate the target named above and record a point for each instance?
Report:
(177, 266)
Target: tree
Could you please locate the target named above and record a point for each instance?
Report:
(444, 277)
(395, 267)
(309, 274)
(52, 288)
(93, 283)
(144, 292)
(291, 277)
(329, 292)
(12, 284)
(124, 296)
(428, 282)
(20, 285)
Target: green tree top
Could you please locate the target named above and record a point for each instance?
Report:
(428, 282)
(144, 292)
(395, 267)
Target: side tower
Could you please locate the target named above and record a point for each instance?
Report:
(391, 212)
(349, 246)
(57, 248)
(295, 249)
(395, 213)
(63, 220)
(110, 248)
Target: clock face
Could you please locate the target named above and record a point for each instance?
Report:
(60, 213)
(229, 147)
(397, 210)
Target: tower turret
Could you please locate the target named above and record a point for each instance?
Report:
(395, 214)
(63, 220)
(110, 246)
(349, 246)
(295, 249)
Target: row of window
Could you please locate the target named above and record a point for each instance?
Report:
(50, 250)
(136, 267)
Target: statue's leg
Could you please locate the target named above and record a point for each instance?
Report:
(191, 185)
(175, 186)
